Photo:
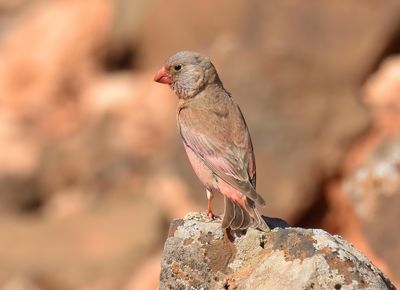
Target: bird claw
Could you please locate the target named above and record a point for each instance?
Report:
(211, 215)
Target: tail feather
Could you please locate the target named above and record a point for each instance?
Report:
(257, 197)
(246, 188)
(236, 217)
(229, 213)
(238, 221)
(259, 222)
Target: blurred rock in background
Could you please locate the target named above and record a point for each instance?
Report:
(374, 189)
(374, 184)
(91, 166)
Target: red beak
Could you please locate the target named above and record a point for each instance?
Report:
(163, 77)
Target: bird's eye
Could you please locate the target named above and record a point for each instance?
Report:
(177, 67)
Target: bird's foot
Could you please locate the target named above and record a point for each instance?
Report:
(211, 215)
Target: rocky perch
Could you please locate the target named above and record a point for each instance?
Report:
(199, 255)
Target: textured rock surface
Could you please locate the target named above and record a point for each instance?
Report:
(198, 255)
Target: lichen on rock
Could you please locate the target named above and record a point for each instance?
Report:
(198, 254)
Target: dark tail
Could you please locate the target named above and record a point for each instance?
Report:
(236, 217)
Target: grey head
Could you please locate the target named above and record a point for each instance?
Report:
(188, 72)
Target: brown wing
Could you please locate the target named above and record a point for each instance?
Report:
(252, 159)
(223, 144)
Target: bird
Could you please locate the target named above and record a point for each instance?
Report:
(215, 137)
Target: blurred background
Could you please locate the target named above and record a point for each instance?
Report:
(92, 169)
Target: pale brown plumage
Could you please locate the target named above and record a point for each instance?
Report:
(215, 136)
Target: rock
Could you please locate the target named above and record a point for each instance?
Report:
(378, 177)
(381, 89)
(199, 255)
(372, 173)
(374, 189)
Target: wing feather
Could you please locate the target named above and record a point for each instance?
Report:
(231, 161)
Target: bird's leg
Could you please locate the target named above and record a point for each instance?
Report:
(210, 197)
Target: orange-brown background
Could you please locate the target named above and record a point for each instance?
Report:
(91, 166)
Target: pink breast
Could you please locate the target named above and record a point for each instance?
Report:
(202, 171)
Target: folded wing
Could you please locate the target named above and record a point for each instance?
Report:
(230, 158)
